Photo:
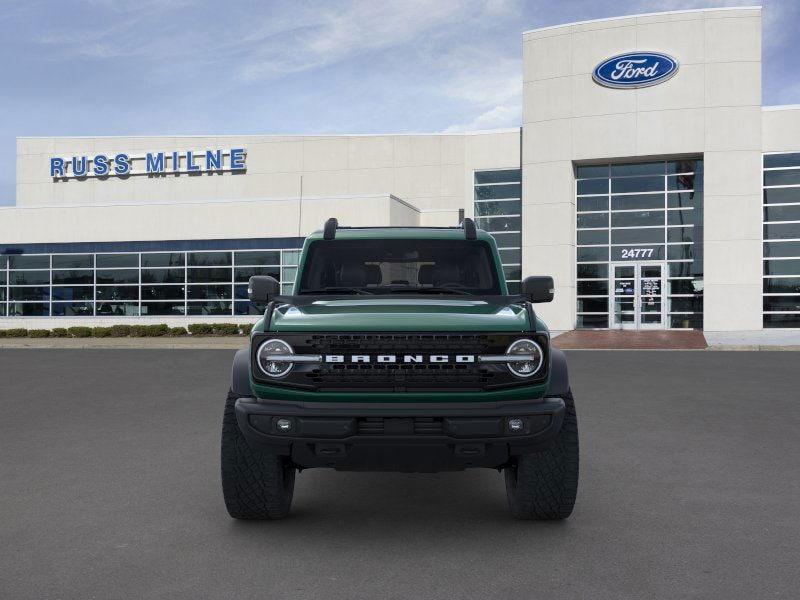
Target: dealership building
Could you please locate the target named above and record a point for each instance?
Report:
(646, 177)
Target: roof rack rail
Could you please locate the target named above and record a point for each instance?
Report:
(470, 231)
(329, 232)
(332, 224)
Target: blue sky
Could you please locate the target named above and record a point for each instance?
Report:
(153, 67)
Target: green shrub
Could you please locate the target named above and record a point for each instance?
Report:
(101, 332)
(224, 329)
(138, 331)
(201, 329)
(246, 328)
(157, 330)
(177, 331)
(80, 332)
(120, 330)
(38, 333)
(59, 332)
(2, 333)
(16, 332)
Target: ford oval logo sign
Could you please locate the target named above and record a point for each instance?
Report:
(635, 70)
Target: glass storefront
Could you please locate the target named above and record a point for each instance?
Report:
(498, 210)
(640, 245)
(119, 284)
(781, 277)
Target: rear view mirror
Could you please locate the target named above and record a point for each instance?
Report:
(262, 288)
(538, 288)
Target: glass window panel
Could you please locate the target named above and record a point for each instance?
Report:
(162, 309)
(286, 288)
(28, 309)
(209, 292)
(248, 308)
(240, 292)
(3, 261)
(782, 195)
(782, 231)
(693, 304)
(681, 269)
(592, 237)
(24, 261)
(782, 267)
(78, 292)
(245, 273)
(500, 176)
(592, 186)
(257, 257)
(86, 277)
(682, 182)
(680, 234)
(291, 257)
(684, 166)
(685, 286)
(637, 202)
(788, 177)
(684, 199)
(499, 224)
(512, 273)
(789, 159)
(209, 308)
(592, 271)
(73, 309)
(593, 321)
(289, 274)
(513, 287)
(29, 293)
(209, 275)
(637, 236)
(593, 220)
(117, 309)
(592, 254)
(586, 171)
(29, 277)
(686, 321)
(118, 292)
(787, 320)
(782, 213)
(507, 240)
(498, 207)
(592, 288)
(164, 259)
(679, 252)
(3, 308)
(209, 259)
(683, 217)
(2, 277)
(493, 192)
(2, 294)
(510, 257)
(117, 276)
(783, 303)
(637, 219)
(115, 261)
(163, 276)
(781, 249)
(593, 305)
(782, 285)
(162, 292)
(593, 203)
(73, 261)
(648, 168)
(637, 184)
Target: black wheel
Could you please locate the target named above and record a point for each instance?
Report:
(543, 485)
(255, 484)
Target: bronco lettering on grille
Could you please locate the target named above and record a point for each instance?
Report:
(395, 358)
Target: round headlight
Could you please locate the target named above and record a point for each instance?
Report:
(266, 361)
(528, 366)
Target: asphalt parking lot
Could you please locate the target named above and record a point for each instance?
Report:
(109, 488)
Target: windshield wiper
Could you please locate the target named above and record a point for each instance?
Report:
(338, 290)
(431, 290)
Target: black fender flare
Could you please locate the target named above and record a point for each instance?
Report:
(559, 374)
(240, 373)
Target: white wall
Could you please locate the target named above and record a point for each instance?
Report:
(712, 106)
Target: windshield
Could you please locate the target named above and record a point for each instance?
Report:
(399, 266)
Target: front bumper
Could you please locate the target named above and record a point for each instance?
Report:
(402, 436)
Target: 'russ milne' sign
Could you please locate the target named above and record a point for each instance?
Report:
(635, 70)
(122, 164)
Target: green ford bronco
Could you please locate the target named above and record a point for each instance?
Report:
(400, 349)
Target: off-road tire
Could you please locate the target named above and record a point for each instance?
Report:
(543, 485)
(255, 484)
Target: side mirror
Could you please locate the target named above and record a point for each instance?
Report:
(262, 288)
(538, 288)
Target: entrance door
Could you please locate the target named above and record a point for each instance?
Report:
(637, 300)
